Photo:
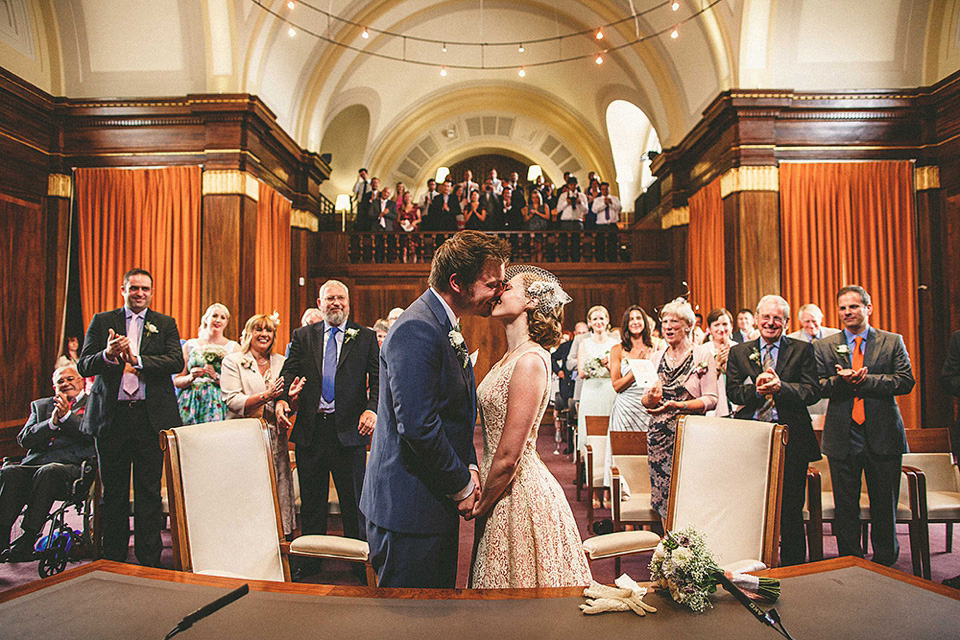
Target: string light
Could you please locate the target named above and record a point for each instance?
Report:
(599, 59)
(291, 5)
(522, 73)
(674, 34)
(443, 72)
(520, 49)
(365, 34)
(291, 32)
(444, 48)
(675, 6)
(599, 35)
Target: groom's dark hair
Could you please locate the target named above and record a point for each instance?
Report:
(465, 255)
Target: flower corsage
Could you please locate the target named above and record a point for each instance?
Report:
(755, 355)
(842, 349)
(350, 334)
(701, 368)
(456, 340)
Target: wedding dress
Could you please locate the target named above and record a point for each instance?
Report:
(530, 538)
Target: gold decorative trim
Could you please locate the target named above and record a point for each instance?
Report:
(925, 178)
(676, 218)
(304, 220)
(231, 182)
(59, 185)
(749, 179)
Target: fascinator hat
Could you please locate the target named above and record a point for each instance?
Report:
(541, 285)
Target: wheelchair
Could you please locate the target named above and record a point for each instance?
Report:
(58, 541)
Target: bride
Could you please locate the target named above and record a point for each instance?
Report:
(526, 534)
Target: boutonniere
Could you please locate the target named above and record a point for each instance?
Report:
(842, 349)
(755, 355)
(456, 340)
(701, 368)
(350, 334)
(150, 327)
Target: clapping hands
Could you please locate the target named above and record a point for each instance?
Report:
(768, 382)
(61, 406)
(850, 376)
(118, 347)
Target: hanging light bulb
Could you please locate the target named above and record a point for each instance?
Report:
(522, 73)
(675, 6)
(599, 35)
(365, 34)
(520, 49)
(599, 59)
(443, 72)
(291, 32)
(444, 48)
(291, 5)
(674, 34)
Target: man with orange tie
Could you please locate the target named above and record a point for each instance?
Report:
(861, 371)
(132, 351)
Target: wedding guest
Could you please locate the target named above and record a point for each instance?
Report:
(513, 219)
(593, 356)
(537, 213)
(719, 325)
(746, 327)
(311, 315)
(474, 215)
(398, 195)
(687, 383)
(250, 383)
(71, 353)
(381, 327)
(393, 315)
(200, 399)
(408, 214)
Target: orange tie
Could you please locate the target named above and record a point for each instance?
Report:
(858, 414)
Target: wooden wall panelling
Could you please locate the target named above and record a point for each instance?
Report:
(300, 297)
(752, 241)
(937, 407)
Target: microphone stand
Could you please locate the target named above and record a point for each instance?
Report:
(770, 618)
(207, 609)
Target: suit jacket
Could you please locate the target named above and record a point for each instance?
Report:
(67, 444)
(357, 370)
(423, 442)
(888, 375)
(799, 388)
(389, 215)
(559, 359)
(160, 355)
(240, 378)
(825, 332)
(440, 220)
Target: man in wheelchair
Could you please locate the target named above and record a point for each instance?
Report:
(56, 452)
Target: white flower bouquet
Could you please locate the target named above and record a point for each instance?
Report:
(594, 368)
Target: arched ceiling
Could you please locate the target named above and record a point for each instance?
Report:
(111, 48)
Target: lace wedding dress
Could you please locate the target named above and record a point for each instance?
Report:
(530, 538)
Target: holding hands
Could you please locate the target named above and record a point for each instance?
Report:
(851, 376)
(282, 408)
(469, 507)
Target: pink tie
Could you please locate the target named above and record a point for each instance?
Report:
(131, 381)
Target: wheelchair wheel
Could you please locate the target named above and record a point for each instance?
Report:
(54, 559)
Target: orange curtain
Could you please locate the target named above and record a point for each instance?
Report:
(147, 218)
(272, 269)
(853, 223)
(705, 249)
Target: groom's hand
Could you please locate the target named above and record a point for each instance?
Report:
(465, 506)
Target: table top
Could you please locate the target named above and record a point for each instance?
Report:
(844, 597)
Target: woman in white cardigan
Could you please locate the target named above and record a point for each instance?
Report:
(250, 381)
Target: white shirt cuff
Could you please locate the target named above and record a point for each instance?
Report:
(464, 493)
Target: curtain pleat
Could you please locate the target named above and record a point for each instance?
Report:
(705, 249)
(853, 223)
(272, 270)
(147, 218)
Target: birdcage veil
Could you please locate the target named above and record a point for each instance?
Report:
(545, 287)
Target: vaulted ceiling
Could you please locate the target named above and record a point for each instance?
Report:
(403, 119)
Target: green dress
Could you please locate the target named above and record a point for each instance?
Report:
(201, 401)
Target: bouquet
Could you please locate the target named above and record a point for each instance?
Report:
(210, 354)
(594, 368)
(683, 565)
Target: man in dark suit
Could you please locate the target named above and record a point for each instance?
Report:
(862, 370)
(422, 472)
(746, 324)
(443, 212)
(56, 449)
(774, 378)
(363, 220)
(383, 212)
(338, 360)
(132, 351)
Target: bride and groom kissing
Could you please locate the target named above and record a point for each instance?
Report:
(423, 474)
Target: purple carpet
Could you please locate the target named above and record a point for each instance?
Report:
(944, 565)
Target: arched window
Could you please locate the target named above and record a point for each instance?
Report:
(632, 138)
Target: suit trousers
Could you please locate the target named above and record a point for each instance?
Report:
(131, 440)
(37, 487)
(315, 463)
(883, 488)
(413, 561)
(793, 543)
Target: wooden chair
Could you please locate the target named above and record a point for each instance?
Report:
(224, 513)
(590, 460)
(629, 453)
(934, 497)
(726, 482)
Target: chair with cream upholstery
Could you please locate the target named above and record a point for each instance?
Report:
(225, 518)
(726, 482)
(590, 460)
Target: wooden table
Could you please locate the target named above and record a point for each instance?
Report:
(838, 598)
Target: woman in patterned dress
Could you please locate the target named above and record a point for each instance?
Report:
(687, 384)
(526, 534)
(200, 400)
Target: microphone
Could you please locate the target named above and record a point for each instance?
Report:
(743, 599)
(207, 609)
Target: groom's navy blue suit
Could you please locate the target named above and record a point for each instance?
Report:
(421, 451)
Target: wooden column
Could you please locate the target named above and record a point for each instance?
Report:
(228, 246)
(57, 220)
(302, 296)
(751, 230)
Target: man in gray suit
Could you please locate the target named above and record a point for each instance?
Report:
(810, 319)
(861, 371)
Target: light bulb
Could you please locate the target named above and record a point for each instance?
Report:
(365, 34)
(443, 72)
(291, 32)
(522, 73)
(675, 6)
(599, 59)
(674, 34)
(521, 48)
(444, 48)
(599, 34)
(291, 5)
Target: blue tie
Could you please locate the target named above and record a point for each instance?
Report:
(330, 365)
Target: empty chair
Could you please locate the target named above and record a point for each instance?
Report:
(590, 460)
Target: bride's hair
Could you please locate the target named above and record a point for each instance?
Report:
(545, 322)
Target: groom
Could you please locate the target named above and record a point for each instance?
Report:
(422, 473)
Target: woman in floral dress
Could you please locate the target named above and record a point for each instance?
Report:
(200, 398)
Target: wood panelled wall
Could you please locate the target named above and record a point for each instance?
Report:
(744, 131)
